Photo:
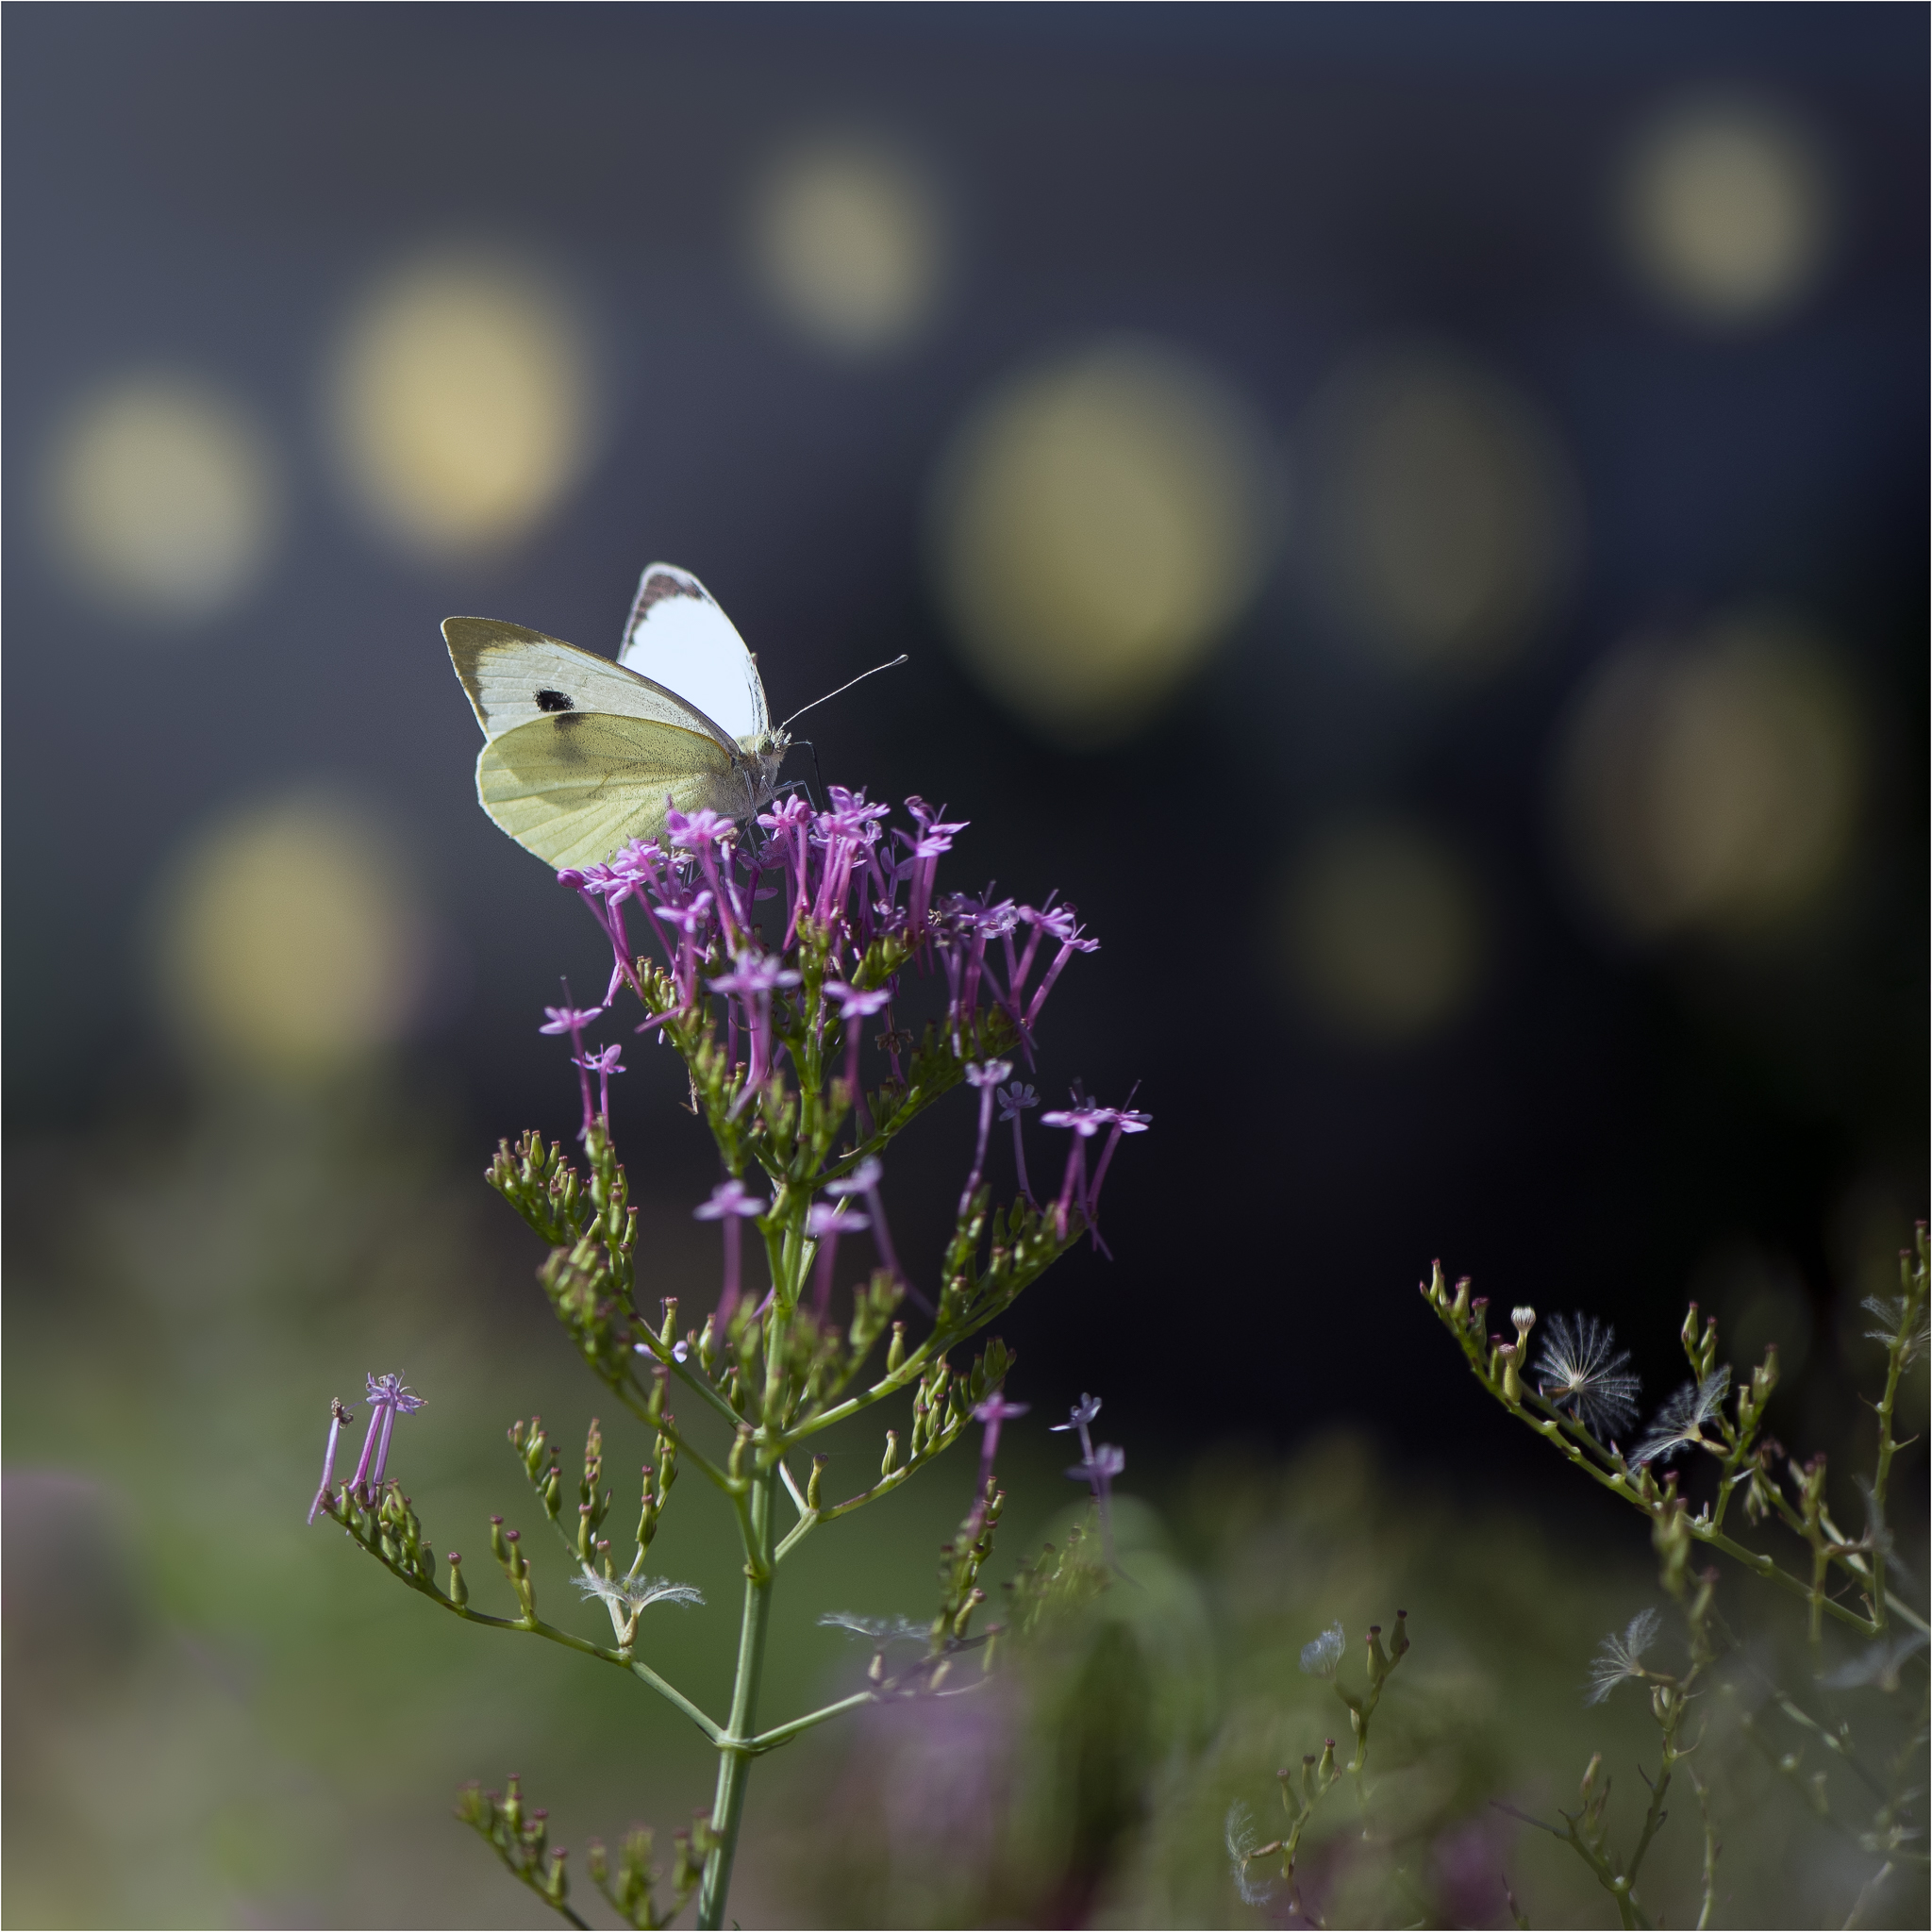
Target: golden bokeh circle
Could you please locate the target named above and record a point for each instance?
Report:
(1712, 783)
(1727, 209)
(460, 401)
(1381, 930)
(162, 496)
(290, 944)
(1100, 521)
(848, 244)
(1443, 518)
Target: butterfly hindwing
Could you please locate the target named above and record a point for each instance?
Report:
(677, 637)
(572, 787)
(514, 676)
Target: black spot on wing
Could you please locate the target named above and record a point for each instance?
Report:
(555, 701)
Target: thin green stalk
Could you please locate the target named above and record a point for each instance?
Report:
(1712, 1846)
(783, 1733)
(738, 1746)
(1912, 1287)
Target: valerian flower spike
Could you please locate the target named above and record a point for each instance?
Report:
(771, 949)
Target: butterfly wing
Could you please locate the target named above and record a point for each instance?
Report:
(679, 639)
(514, 676)
(574, 786)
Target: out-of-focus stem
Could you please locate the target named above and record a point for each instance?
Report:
(739, 1745)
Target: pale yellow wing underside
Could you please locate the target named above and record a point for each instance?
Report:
(513, 676)
(573, 786)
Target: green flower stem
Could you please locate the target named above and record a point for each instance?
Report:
(783, 1733)
(797, 1535)
(673, 1697)
(1712, 1846)
(535, 1627)
(666, 1425)
(699, 1385)
(1912, 1285)
(737, 1744)
(1618, 1482)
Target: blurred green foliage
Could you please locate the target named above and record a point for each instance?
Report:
(217, 1716)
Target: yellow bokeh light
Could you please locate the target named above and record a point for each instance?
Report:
(847, 243)
(1099, 522)
(290, 946)
(1726, 211)
(460, 402)
(163, 497)
(1383, 931)
(1713, 785)
(1444, 520)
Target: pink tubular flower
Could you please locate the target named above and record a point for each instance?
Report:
(864, 1180)
(994, 1410)
(754, 980)
(1014, 1101)
(924, 851)
(789, 821)
(855, 1006)
(605, 1062)
(985, 1078)
(846, 835)
(387, 1399)
(339, 1418)
(1099, 1463)
(1085, 1119)
(1123, 1121)
(824, 1225)
(713, 838)
(572, 1020)
(731, 1202)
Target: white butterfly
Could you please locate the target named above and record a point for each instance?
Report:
(581, 754)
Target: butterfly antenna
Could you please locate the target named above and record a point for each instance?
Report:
(900, 659)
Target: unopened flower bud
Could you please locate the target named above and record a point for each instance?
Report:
(1509, 1355)
(458, 1587)
(1523, 1319)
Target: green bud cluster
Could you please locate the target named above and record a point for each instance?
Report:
(1303, 1787)
(632, 1893)
(520, 1837)
(1057, 1583)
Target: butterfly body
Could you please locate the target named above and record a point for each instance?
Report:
(581, 754)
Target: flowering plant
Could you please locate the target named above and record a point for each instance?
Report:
(1577, 1393)
(774, 951)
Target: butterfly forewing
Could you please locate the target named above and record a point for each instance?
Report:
(572, 787)
(514, 676)
(678, 638)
